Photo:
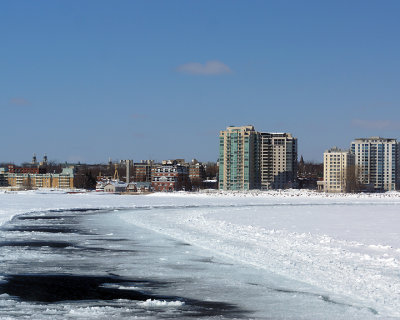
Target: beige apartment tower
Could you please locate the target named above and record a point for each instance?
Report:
(278, 160)
(338, 170)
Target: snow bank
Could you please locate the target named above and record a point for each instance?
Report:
(150, 303)
(286, 193)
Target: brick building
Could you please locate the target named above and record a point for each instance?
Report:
(142, 171)
(170, 177)
(30, 170)
(196, 171)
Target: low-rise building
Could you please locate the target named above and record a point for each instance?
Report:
(138, 187)
(115, 187)
(197, 174)
(170, 177)
(196, 171)
(210, 184)
(28, 179)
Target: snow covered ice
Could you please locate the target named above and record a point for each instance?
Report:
(278, 254)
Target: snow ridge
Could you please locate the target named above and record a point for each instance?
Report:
(352, 271)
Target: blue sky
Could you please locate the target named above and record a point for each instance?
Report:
(88, 80)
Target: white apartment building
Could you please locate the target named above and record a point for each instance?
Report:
(337, 170)
(377, 162)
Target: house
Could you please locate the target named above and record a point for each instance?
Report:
(115, 187)
(139, 187)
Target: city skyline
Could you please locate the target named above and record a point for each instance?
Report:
(129, 80)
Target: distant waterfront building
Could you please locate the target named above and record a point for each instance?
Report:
(3, 177)
(26, 169)
(170, 177)
(142, 171)
(139, 187)
(338, 170)
(21, 177)
(196, 171)
(115, 187)
(256, 160)
(377, 163)
(278, 160)
(238, 158)
(181, 162)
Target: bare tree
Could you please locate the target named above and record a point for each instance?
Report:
(197, 183)
(353, 183)
(310, 169)
(211, 170)
(27, 183)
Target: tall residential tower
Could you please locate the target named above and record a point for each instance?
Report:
(377, 162)
(278, 160)
(238, 160)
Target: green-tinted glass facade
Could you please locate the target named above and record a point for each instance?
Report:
(238, 162)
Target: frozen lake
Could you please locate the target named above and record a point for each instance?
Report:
(275, 256)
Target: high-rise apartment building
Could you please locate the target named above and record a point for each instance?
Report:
(338, 170)
(278, 160)
(252, 160)
(377, 162)
(238, 158)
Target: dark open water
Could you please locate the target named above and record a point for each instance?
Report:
(53, 257)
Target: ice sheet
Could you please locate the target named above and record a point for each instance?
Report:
(346, 245)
